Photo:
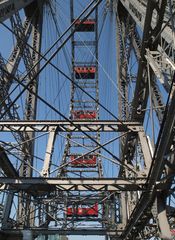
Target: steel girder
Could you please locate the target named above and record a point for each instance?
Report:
(157, 98)
(22, 32)
(73, 184)
(139, 15)
(30, 59)
(159, 206)
(9, 7)
(141, 90)
(125, 31)
(162, 65)
(64, 126)
(44, 231)
(147, 199)
(138, 209)
(6, 165)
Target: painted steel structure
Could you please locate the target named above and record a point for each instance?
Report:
(79, 200)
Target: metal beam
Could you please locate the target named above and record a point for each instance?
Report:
(9, 7)
(146, 151)
(137, 10)
(30, 58)
(7, 208)
(48, 155)
(6, 165)
(65, 126)
(162, 217)
(158, 102)
(139, 104)
(141, 90)
(72, 184)
(156, 171)
(17, 52)
(80, 231)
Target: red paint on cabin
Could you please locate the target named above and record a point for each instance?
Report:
(85, 72)
(86, 161)
(84, 114)
(83, 211)
(86, 26)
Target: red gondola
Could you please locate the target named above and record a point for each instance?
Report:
(84, 114)
(85, 72)
(87, 26)
(83, 211)
(86, 161)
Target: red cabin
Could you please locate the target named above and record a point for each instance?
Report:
(87, 26)
(85, 72)
(84, 114)
(85, 161)
(83, 211)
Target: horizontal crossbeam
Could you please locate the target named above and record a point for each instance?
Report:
(43, 231)
(65, 126)
(90, 184)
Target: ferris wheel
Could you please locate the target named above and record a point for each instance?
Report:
(87, 118)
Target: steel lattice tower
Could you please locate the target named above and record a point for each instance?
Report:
(53, 163)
